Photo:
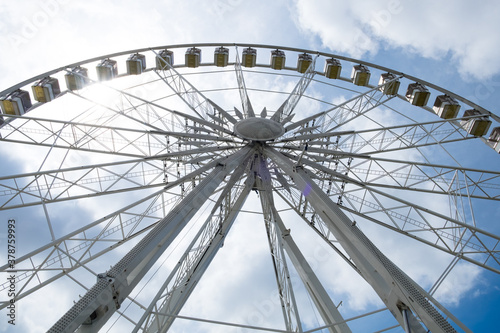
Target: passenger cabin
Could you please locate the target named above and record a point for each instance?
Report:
(136, 64)
(495, 139)
(107, 70)
(390, 88)
(303, 62)
(360, 75)
(77, 78)
(446, 107)
(163, 58)
(249, 57)
(193, 57)
(221, 56)
(332, 68)
(417, 94)
(278, 59)
(16, 103)
(46, 90)
(477, 126)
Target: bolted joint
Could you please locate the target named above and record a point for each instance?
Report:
(114, 291)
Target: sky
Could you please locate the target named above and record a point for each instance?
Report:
(453, 44)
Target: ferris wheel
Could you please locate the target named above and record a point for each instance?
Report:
(139, 176)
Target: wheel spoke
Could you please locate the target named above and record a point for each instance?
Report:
(414, 176)
(201, 106)
(349, 110)
(245, 101)
(384, 139)
(74, 183)
(275, 233)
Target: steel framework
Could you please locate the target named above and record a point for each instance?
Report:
(174, 150)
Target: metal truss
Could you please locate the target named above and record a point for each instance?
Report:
(76, 249)
(186, 91)
(380, 172)
(202, 106)
(449, 234)
(100, 179)
(117, 283)
(101, 139)
(381, 140)
(245, 101)
(75, 183)
(178, 286)
(120, 103)
(328, 120)
(400, 294)
(400, 172)
(284, 112)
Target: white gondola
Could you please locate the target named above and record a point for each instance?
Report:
(390, 88)
(107, 69)
(136, 64)
(16, 103)
(303, 62)
(249, 57)
(77, 78)
(477, 126)
(417, 94)
(360, 75)
(221, 56)
(193, 57)
(46, 90)
(332, 68)
(446, 107)
(163, 58)
(494, 139)
(278, 59)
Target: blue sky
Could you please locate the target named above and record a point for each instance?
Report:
(453, 44)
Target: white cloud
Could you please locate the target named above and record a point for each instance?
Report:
(464, 30)
(461, 280)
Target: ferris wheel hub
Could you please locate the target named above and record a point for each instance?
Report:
(259, 129)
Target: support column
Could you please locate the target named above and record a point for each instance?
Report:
(176, 290)
(275, 238)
